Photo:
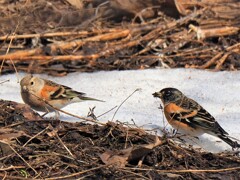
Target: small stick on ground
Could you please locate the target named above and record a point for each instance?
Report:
(5, 81)
(60, 140)
(35, 136)
(11, 167)
(76, 174)
(187, 170)
(21, 158)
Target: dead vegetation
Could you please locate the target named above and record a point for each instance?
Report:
(57, 37)
(31, 147)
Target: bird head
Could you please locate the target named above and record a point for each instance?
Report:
(168, 95)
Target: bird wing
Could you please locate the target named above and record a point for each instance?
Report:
(197, 117)
(57, 91)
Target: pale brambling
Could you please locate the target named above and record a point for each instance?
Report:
(45, 95)
(187, 116)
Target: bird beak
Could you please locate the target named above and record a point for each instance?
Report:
(157, 94)
(25, 88)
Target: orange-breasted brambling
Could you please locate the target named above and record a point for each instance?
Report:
(187, 116)
(45, 95)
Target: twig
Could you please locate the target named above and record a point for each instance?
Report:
(126, 139)
(107, 112)
(67, 45)
(15, 124)
(124, 102)
(7, 156)
(69, 157)
(79, 117)
(233, 48)
(46, 35)
(103, 37)
(57, 109)
(85, 177)
(211, 61)
(35, 136)
(5, 81)
(14, 177)
(64, 145)
(22, 158)
(8, 49)
(4, 176)
(58, 34)
(136, 174)
(222, 60)
(11, 167)
(214, 32)
(78, 173)
(173, 24)
(186, 170)
(100, 5)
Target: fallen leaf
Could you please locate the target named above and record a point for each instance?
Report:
(7, 134)
(76, 3)
(4, 149)
(28, 113)
(171, 175)
(110, 158)
(53, 131)
(120, 158)
(142, 150)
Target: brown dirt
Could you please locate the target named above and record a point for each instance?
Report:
(52, 149)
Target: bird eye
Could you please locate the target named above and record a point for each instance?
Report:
(32, 83)
(168, 93)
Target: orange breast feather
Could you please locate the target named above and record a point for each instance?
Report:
(173, 108)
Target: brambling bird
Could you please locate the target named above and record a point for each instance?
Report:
(45, 95)
(187, 116)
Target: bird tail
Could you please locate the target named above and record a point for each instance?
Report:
(233, 144)
(90, 99)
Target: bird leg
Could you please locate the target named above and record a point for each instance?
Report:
(57, 115)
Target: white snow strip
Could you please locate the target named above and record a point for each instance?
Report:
(217, 92)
